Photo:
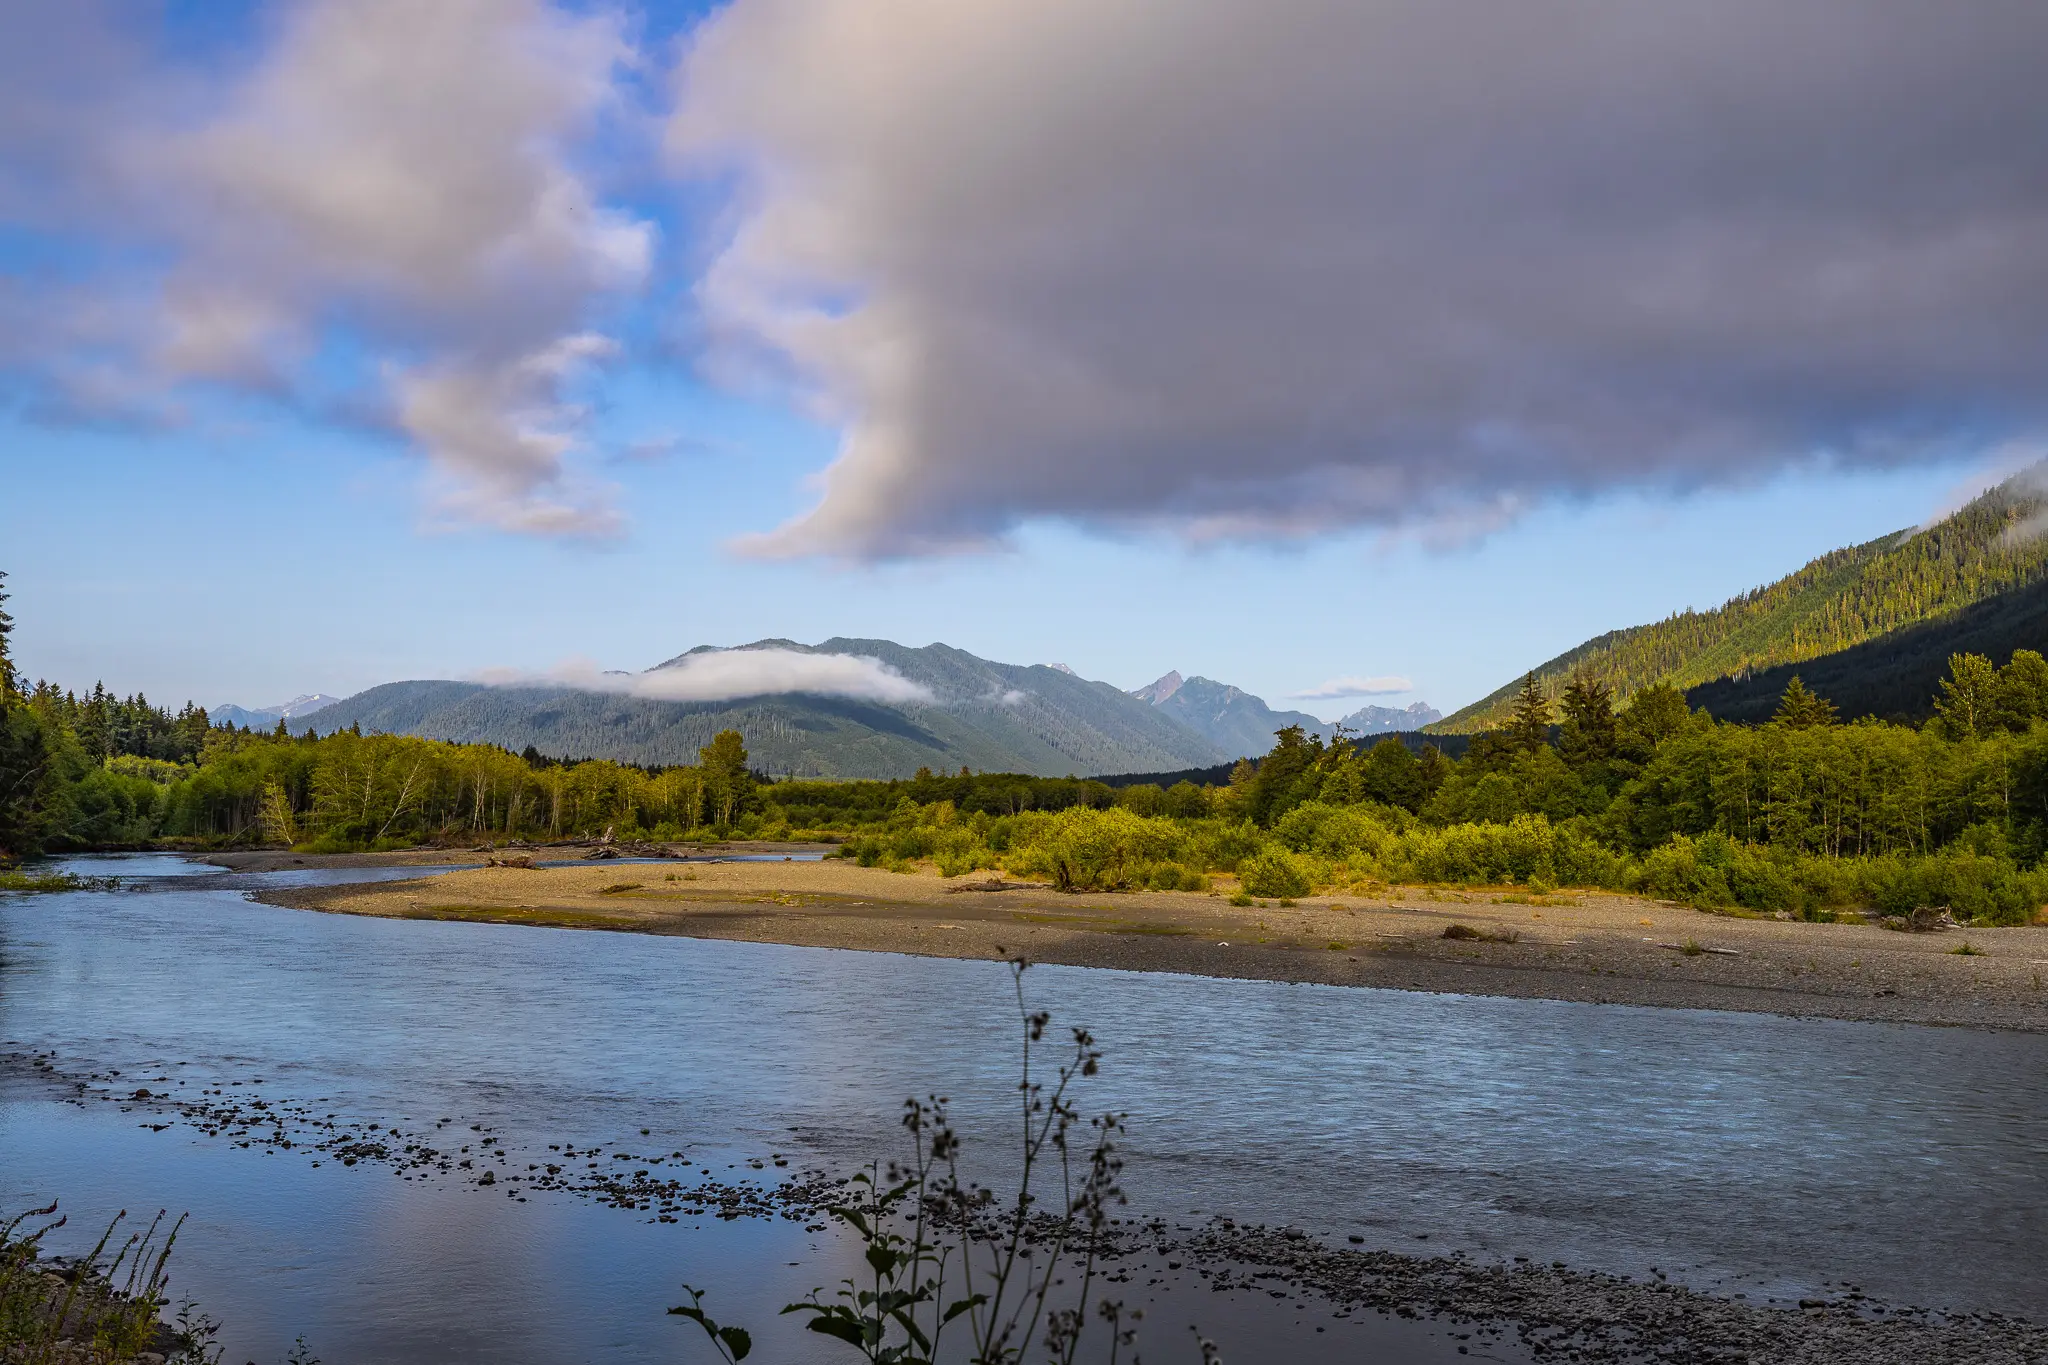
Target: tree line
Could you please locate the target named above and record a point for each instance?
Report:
(1802, 813)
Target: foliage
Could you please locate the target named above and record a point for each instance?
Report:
(1273, 871)
(97, 1311)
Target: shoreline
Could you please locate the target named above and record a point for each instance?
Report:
(1585, 947)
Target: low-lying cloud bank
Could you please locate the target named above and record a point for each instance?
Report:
(728, 675)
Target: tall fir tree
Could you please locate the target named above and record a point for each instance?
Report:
(1528, 726)
(1590, 731)
(1803, 710)
(10, 687)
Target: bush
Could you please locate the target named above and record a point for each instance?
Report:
(1275, 872)
(1083, 849)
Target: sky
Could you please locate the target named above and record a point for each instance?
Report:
(1345, 350)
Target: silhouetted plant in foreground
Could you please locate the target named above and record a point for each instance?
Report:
(944, 1254)
(86, 1312)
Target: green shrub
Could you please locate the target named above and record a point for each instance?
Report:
(1275, 872)
(1083, 849)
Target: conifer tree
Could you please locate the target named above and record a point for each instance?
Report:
(1528, 726)
(9, 688)
(1590, 732)
(1801, 709)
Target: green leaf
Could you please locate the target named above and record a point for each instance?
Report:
(964, 1306)
(846, 1330)
(737, 1341)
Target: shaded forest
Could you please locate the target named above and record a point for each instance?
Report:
(1846, 598)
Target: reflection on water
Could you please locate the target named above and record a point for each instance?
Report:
(1788, 1151)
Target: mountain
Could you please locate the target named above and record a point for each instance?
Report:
(1381, 720)
(1231, 718)
(1895, 676)
(1992, 548)
(265, 717)
(992, 717)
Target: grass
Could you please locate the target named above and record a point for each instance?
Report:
(1966, 949)
(97, 1311)
(94, 1310)
(1691, 947)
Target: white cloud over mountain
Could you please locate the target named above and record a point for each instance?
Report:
(729, 674)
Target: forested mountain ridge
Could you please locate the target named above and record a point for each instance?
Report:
(1843, 599)
(991, 717)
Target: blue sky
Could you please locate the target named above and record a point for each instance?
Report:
(522, 333)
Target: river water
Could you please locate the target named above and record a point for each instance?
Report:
(1738, 1151)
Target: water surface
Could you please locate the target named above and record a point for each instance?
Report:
(1765, 1153)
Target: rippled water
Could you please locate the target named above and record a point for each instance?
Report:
(1784, 1153)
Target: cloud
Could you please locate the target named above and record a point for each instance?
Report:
(387, 188)
(1352, 686)
(730, 674)
(1243, 270)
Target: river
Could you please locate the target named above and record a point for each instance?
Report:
(1736, 1151)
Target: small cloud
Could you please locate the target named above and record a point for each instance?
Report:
(1391, 685)
(652, 449)
(729, 674)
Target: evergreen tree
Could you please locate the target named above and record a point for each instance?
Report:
(10, 687)
(1590, 732)
(1434, 770)
(1528, 726)
(1273, 790)
(1801, 709)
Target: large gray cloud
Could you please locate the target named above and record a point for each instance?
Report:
(1241, 269)
(400, 176)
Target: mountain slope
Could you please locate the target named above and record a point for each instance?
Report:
(1846, 598)
(264, 717)
(1231, 718)
(989, 716)
(1897, 674)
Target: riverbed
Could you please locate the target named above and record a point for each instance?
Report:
(1748, 1153)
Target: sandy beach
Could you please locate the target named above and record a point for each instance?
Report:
(1569, 945)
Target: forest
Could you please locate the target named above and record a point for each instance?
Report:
(1860, 594)
(1800, 814)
